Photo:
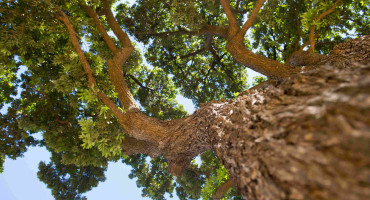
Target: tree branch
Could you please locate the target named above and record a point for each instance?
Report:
(189, 54)
(193, 54)
(234, 26)
(251, 17)
(121, 35)
(100, 27)
(208, 42)
(324, 14)
(85, 64)
(115, 65)
(224, 187)
(313, 27)
(198, 172)
(139, 83)
(143, 128)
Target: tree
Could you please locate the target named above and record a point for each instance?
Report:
(303, 134)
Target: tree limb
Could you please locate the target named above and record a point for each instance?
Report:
(121, 35)
(139, 83)
(251, 17)
(234, 26)
(100, 27)
(298, 30)
(115, 65)
(324, 14)
(312, 27)
(85, 64)
(224, 187)
(189, 54)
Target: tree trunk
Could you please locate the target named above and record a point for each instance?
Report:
(305, 138)
(308, 138)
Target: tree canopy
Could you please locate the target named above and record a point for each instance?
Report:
(89, 92)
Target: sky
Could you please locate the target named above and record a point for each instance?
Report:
(19, 180)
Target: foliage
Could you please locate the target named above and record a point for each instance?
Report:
(69, 181)
(2, 160)
(258, 79)
(284, 25)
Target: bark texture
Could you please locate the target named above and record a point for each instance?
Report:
(306, 58)
(306, 138)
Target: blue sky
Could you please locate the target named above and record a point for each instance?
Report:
(19, 180)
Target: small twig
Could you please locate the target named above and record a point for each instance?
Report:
(139, 83)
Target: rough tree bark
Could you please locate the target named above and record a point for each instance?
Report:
(306, 137)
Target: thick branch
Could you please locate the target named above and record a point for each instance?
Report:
(121, 35)
(115, 65)
(261, 64)
(76, 45)
(324, 14)
(100, 27)
(312, 40)
(251, 17)
(234, 26)
(224, 187)
(115, 71)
